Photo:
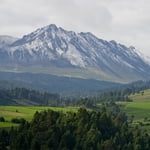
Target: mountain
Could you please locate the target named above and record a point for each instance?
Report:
(53, 50)
(6, 40)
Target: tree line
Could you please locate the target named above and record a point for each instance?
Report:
(11, 96)
(15, 95)
(121, 94)
(83, 130)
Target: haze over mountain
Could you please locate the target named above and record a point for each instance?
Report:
(53, 50)
(6, 40)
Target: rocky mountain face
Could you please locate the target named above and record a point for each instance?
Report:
(52, 46)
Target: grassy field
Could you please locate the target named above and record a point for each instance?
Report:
(139, 108)
(9, 112)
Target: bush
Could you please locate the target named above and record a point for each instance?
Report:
(17, 120)
(2, 119)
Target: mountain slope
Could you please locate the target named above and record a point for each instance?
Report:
(65, 86)
(54, 47)
(6, 40)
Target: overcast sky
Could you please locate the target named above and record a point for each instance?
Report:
(126, 21)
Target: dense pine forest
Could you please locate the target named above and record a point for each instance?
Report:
(84, 130)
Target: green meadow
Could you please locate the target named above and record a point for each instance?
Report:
(26, 112)
(139, 109)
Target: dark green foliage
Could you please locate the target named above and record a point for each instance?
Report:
(84, 130)
(4, 139)
(23, 96)
(18, 120)
(12, 96)
(117, 95)
(32, 95)
(2, 119)
(111, 97)
(86, 102)
(122, 93)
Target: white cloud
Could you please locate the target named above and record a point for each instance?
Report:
(124, 21)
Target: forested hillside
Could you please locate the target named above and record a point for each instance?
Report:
(66, 86)
(23, 96)
(122, 93)
(84, 130)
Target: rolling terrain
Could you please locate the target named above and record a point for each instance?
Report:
(139, 109)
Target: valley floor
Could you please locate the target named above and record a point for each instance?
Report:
(138, 111)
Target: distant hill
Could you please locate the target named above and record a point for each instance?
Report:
(65, 86)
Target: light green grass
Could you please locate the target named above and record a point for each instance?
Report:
(139, 97)
(9, 112)
(139, 108)
(7, 124)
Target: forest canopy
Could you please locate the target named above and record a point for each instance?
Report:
(83, 130)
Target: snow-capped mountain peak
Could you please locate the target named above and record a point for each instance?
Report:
(55, 46)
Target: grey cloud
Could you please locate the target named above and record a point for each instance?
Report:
(125, 21)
